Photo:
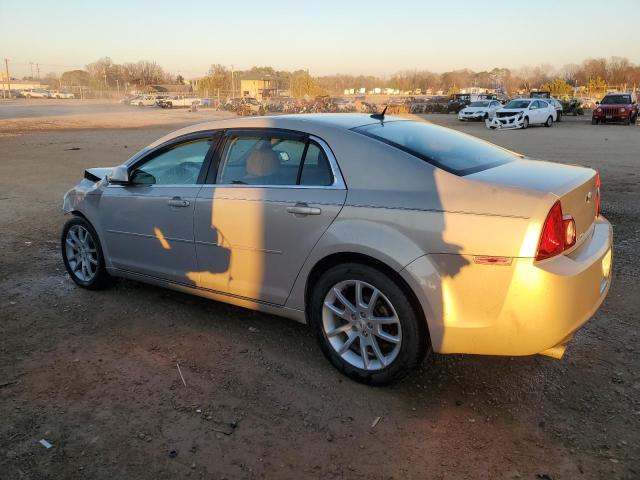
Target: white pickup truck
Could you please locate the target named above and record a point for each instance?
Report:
(144, 101)
(180, 101)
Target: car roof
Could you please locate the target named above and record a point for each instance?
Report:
(313, 123)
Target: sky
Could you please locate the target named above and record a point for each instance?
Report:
(352, 37)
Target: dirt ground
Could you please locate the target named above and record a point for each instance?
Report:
(94, 373)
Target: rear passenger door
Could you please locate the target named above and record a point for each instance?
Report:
(269, 197)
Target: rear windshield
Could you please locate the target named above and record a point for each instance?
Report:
(447, 149)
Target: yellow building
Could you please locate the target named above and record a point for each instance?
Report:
(260, 87)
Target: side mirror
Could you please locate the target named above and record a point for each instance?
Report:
(597, 103)
(119, 175)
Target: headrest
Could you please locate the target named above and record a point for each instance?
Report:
(262, 162)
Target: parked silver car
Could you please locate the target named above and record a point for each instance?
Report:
(392, 238)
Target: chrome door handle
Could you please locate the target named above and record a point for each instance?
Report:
(304, 209)
(178, 202)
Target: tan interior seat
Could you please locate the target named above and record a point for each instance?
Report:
(262, 162)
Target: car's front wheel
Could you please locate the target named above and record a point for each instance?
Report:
(82, 254)
(366, 325)
(549, 122)
(525, 123)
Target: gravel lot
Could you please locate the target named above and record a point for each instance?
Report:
(95, 373)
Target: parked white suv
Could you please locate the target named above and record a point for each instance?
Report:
(522, 112)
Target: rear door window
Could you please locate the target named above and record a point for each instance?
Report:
(270, 160)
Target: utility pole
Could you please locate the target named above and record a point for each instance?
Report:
(6, 67)
(233, 88)
(38, 70)
(31, 64)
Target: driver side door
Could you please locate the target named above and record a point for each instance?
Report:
(148, 222)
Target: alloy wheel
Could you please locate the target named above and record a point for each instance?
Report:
(361, 325)
(81, 253)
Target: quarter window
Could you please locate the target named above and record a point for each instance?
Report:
(179, 165)
(316, 169)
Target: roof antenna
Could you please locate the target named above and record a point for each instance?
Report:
(380, 116)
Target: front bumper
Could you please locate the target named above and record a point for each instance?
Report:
(505, 123)
(524, 308)
(472, 116)
(611, 118)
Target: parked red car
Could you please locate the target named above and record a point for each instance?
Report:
(616, 107)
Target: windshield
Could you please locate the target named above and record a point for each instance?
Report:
(517, 104)
(479, 104)
(452, 151)
(616, 100)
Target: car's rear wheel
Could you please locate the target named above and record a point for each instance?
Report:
(366, 325)
(82, 254)
(525, 123)
(559, 117)
(594, 121)
(549, 121)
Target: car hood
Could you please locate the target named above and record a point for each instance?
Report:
(618, 105)
(512, 110)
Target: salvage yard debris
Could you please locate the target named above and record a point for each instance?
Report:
(45, 444)
(178, 365)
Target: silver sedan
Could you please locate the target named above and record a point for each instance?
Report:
(391, 238)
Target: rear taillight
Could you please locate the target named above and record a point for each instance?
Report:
(597, 195)
(552, 237)
(558, 233)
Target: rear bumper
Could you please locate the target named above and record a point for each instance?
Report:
(524, 308)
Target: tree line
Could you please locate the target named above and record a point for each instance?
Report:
(596, 73)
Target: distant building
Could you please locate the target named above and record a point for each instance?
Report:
(259, 86)
(20, 84)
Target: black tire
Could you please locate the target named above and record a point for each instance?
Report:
(594, 121)
(486, 116)
(549, 122)
(559, 119)
(627, 121)
(525, 123)
(415, 343)
(101, 279)
(634, 119)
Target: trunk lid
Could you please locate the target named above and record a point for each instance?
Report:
(574, 186)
